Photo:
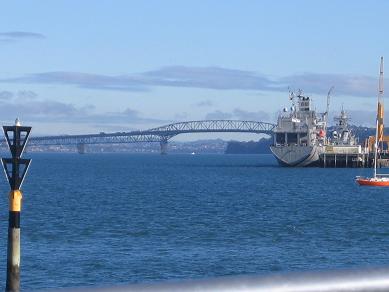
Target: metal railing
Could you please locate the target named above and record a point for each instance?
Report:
(371, 280)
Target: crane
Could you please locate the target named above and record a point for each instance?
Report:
(328, 107)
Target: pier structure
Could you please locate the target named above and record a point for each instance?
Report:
(81, 148)
(343, 156)
(351, 156)
(163, 144)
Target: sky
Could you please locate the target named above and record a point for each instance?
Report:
(73, 67)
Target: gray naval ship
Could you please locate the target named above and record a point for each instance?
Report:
(342, 135)
(300, 134)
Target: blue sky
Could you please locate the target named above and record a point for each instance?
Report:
(91, 66)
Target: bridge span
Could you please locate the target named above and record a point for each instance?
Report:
(160, 135)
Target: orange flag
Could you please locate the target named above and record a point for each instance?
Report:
(380, 118)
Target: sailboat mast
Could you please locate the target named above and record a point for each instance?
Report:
(376, 149)
(380, 113)
(381, 82)
(380, 116)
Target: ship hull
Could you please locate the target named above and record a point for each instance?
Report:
(373, 182)
(296, 156)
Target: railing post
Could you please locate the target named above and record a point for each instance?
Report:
(15, 169)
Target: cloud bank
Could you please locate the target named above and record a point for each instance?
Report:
(12, 36)
(216, 78)
(83, 80)
(50, 111)
(238, 114)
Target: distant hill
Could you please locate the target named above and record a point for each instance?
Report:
(263, 145)
(362, 133)
(251, 147)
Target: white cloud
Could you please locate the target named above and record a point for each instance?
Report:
(204, 103)
(238, 114)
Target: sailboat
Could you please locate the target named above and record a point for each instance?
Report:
(378, 180)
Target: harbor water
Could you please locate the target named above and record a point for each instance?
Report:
(110, 219)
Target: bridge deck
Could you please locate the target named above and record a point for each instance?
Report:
(160, 134)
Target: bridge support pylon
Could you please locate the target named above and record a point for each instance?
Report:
(163, 145)
(81, 148)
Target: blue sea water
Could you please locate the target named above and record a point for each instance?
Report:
(102, 219)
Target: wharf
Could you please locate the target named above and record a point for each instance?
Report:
(344, 156)
(351, 156)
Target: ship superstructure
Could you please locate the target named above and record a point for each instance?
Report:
(300, 134)
(342, 135)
